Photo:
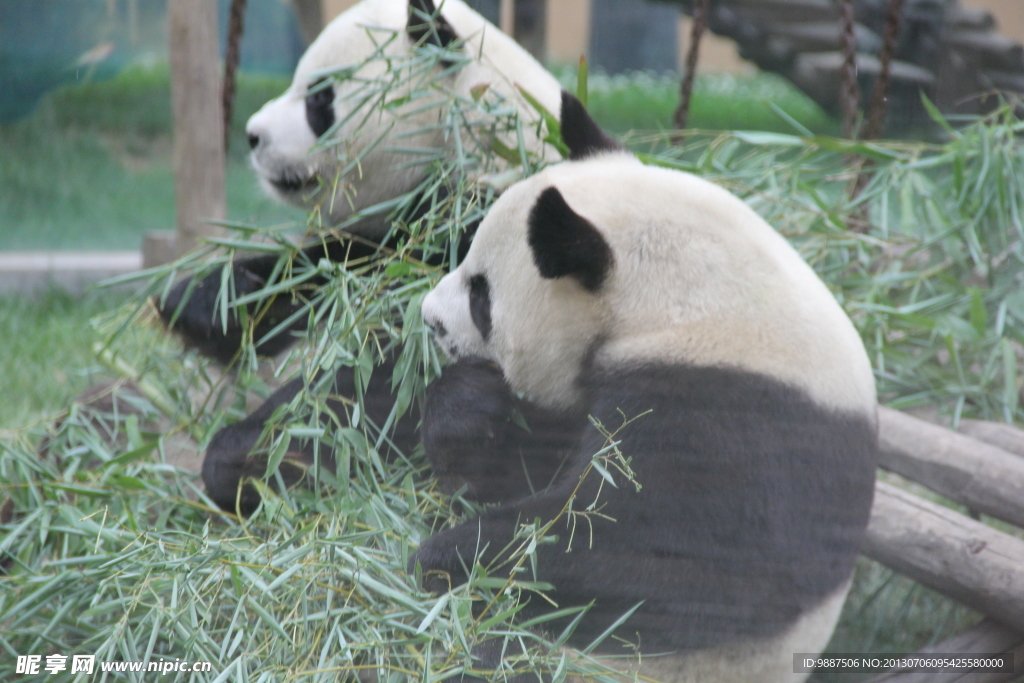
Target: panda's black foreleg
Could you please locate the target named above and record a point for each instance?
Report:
(191, 307)
(496, 653)
(491, 540)
(477, 434)
(232, 455)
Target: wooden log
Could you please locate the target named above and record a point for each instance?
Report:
(981, 476)
(987, 637)
(965, 560)
(817, 73)
(998, 434)
(1004, 81)
(198, 119)
(771, 12)
(974, 18)
(507, 17)
(989, 50)
(822, 36)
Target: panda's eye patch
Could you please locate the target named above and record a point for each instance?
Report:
(320, 107)
(480, 304)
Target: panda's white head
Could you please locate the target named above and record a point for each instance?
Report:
(602, 262)
(361, 165)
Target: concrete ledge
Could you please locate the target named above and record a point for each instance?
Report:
(26, 271)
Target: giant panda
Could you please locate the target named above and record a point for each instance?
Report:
(285, 131)
(283, 136)
(325, 177)
(603, 291)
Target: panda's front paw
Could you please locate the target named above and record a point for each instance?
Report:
(465, 423)
(192, 310)
(440, 563)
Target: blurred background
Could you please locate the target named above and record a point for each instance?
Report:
(85, 97)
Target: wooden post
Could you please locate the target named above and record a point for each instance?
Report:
(310, 14)
(567, 37)
(507, 17)
(198, 120)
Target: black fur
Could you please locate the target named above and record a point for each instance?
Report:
(489, 655)
(320, 107)
(480, 304)
(472, 436)
(565, 243)
(580, 133)
(190, 307)
(754, 501)
(427, 25)
(230, 456)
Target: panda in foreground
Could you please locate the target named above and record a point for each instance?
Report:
(602, 285)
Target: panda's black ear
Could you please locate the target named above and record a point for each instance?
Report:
(427, 25)
(581, 133)
(565, 243)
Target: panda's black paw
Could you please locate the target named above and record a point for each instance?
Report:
(192, 310)
(466, 418)
(440, 563)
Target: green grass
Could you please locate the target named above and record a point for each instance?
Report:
(644, 101)
(47, 357)
(91, 168)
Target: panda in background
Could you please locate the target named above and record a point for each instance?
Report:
(284, 134)
(602, 285)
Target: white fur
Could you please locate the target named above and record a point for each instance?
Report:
(286, 139)
(699, 278)
(765, 661)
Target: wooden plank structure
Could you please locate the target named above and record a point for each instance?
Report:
(950, 50)
(971, 562)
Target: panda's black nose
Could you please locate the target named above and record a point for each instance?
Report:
(254, 140)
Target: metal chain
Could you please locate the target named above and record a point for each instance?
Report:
(849, 95)
(701, 9)
(236, 26)
(879, 96)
